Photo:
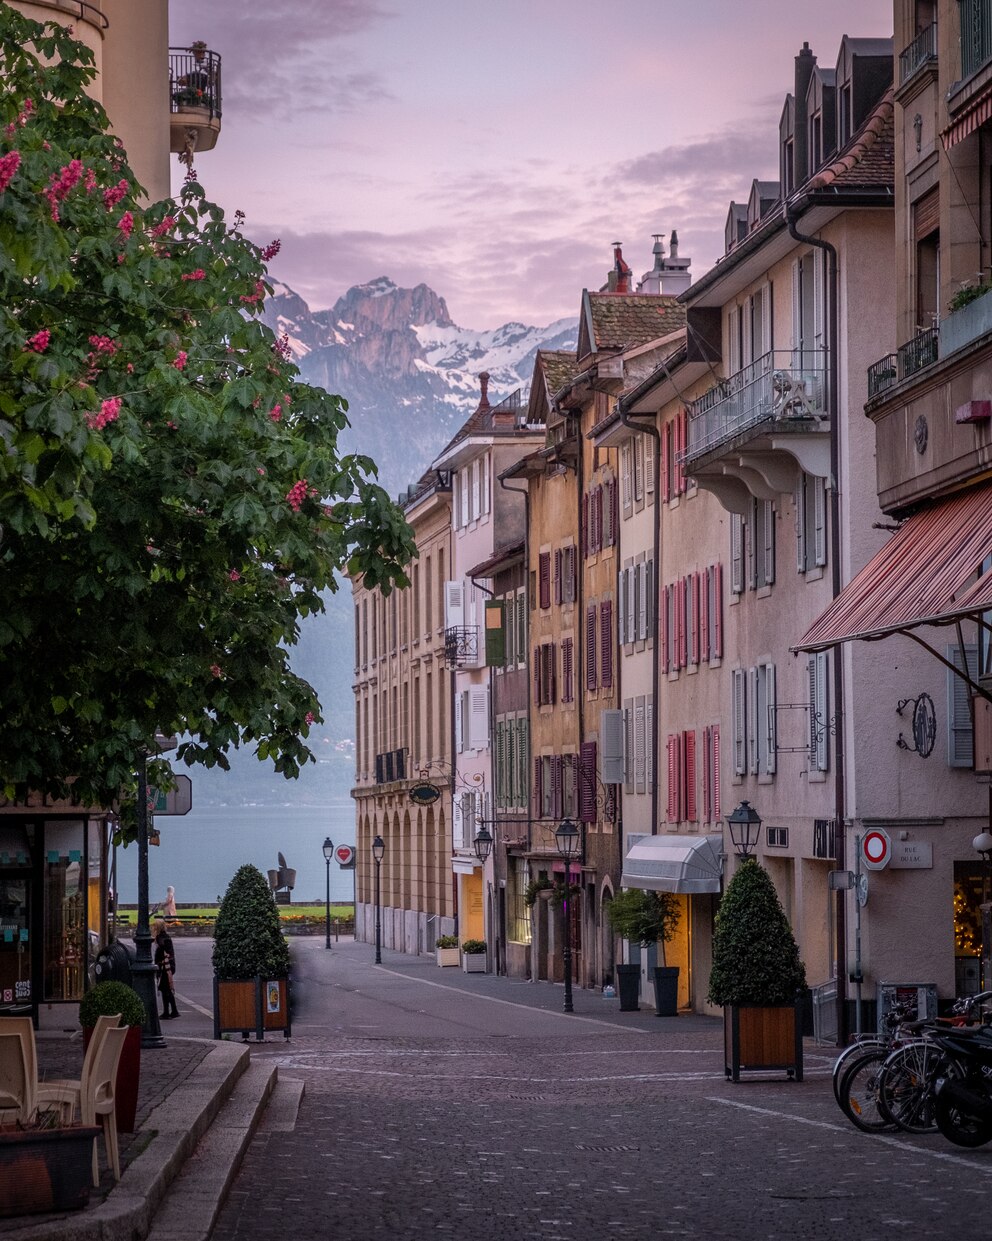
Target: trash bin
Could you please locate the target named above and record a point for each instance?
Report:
(666, 990)
(113, 963)
(628, 987)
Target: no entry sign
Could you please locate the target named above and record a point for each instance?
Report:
(876, 849)
(344, 855)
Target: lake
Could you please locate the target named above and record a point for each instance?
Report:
(201, 851)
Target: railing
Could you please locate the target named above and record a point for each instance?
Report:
(781, 386)
(882, 374)
(509, 404)
(86, 12)
(923, 350)
(922, 49)
(194, 81)
(461, 646)
(976, 35)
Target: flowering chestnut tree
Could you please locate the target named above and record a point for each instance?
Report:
(172, 499)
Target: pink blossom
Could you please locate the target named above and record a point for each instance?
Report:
(299, 492)
(271, 250)
(275, 413)
(39, 341)
(260, 470)
(9, 165)
(257, 296)
(104, 344)
(172, 426)
(180, 360)
(215, 670)
(282, 346)
(160, 230)
(113, 195)
(309, 718)
(109, 412)
(62, 183)
(125, 225)
(199, 274)
(234, 575)
(90, 181)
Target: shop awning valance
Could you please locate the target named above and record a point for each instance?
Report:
(689, 864)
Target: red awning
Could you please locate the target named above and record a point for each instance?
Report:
(978, 112)
(922, 576)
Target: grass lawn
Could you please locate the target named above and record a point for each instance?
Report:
(285, 912)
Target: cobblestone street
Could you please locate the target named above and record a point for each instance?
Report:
(578, 1129)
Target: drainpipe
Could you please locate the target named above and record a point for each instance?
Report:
(651, 430)
(525, 492)
(840, 810)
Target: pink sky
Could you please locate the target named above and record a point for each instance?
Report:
(494, 151)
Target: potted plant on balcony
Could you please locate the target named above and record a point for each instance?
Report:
(757, 977)
(474, 956)
(447, 951)
(535, 888)
(251, 960)
(646, 918)
(106, 999)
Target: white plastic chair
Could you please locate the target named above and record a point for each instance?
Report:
(69, 1089)
(21, 1094)
(97, 1097)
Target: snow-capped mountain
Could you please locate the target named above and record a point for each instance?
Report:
(409, 374)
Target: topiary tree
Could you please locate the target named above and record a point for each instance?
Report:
(107, 998)
(755, 955)
(644, 917)
(248, 938)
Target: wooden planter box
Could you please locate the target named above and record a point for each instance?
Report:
(758, 1039)
(46, 1169)
(257, 1004)
(448, 956)
(474, 962)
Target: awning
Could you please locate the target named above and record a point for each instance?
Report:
(690, 864)
(979, 110)
(922, 576)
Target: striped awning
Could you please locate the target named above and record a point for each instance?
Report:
(978, 112)
(922, 576)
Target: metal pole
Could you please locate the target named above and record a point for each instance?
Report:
(568, 942)
(143, 971)
(857, 936)
(328, 907)
(378, 924)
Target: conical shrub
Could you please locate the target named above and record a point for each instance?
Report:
(248, 938)
(755, 956)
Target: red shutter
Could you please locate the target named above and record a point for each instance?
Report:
(584, 527)
(694, 614)
(707, 795)
(672, 811)
(598, 502)
(718, 611)
(587, 782)
(666, 611)
(715, 732)
(556, 786)
(614, 513)
(666, 451)
(567, 670)
(558, 575)
(544, 579)
(606, 643)
(591, 647)
(704, 614)
(682, 427)
(686, 592)
(552, 673)
(689, 744)
(537, 676)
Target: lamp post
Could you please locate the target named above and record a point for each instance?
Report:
(144, 971)
(378, 849)
(745, 829)
(982, 844)
(483, 844)
(568, 839)
(328, 854)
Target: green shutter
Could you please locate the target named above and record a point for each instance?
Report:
(495, 646)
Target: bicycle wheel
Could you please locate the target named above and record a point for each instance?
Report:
(906, 1086)
(843, 1062)
(859, 1092)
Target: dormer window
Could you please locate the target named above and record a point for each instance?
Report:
(821, 127)
(815, 140)
(787, 146)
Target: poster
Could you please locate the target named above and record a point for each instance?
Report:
(272, 997)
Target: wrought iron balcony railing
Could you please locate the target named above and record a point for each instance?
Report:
(922, 351)
(782, 386)
(461, 646)
(882, 374)
(922, 49)
(194, 81)
(976, 35)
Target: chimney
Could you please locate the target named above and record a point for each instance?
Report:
(484, 385)
(618, 280)
(675, 276)
(805, 64)
(650, 282)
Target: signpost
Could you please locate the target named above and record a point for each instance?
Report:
(876, 849)
(177, 801)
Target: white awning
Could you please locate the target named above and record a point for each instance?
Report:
(690, 864)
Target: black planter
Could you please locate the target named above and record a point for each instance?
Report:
(628, 987)
(666, 991)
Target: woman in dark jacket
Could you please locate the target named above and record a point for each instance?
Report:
(165, 959)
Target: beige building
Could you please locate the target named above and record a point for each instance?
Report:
(403, 762)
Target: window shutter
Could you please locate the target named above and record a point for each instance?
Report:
(819, 732)
(639, 766)
(584, 526)
(628, 746)
(587, 782)
(606, 643)
(476, 494)
(537, 677)
(686, 621)
(671, 811)
(689, 748)
(666, 452)
(558, 576)
(454, 605)
(705, 591)
(457, 826)
(768, 507)
(638, 469)
(717, 609)
(458, 723)
(538, 788)
(465, 497)
(642, 601)
(544, 579)
(650, 448)
(739, 721)
(707, 797)
(649, 743)
(694, 611)
(715, 735)
(734, 340)
(960, 732)
(591, 647)
(819, 520)
(622, 607)
(799, 500)
(570, 561)
(478, 718)
(819, 337)
(567, 671)
(797, 316)
(736, 553)
(556, 764)
(611, 723)
(752, 721)
(552, 673)
(666, 629)
(682, 422)
(523, 760)
(679, 776)
(766, 319)
(521, 627)
(633, 602)
(500, 763)
(599, 518)
(771, 732)
(650, 607)
(626, 475)
(495, 636)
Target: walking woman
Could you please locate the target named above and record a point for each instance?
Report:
(165, 959)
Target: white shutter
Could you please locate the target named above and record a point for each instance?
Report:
(799, 499)
(622, 607)
(768, 535)
(465, 497)
(766, 319)
(476, 507)
(819, 520)
(626, 475)
(638, 468)
(739, 705)
(632, 603)
(819, 723)
(649, 591)
(628, 745)
(650, 448)
(642, 600)
(611, 741)
(751, 535)
(457, 830)
(797, 315)
(960, 734)
(736, 553)
(649, 743)
(454, 605)
(478, 718)
(459, 735)
(819, 339)
(771, 737)
(639, 785)
(486, 482)
(752, 721)
(733, 340)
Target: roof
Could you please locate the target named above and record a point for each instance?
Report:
(553, 368)
(869, 158)
(505, 555)
(621, 321)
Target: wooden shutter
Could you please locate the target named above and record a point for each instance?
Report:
(476, 495)
(622, 607)
(768, 535)
(649, 743)
(459, 735)
(715, 783)
(521, 643)
(671, 810)
(606, 643)
(650, 607)
(705, 589)
(454, 605)
(587, 782)
(567, 671)
(926, 214)
(591, 647)
(640, 774)
(495, 636)
(694, 617)
(717, 607)
(960, 731)
(770, 722)
(642, 601)
(736, 553)
(689, 765)
(478, 718)
(544, 579)
(650, 450)
(819, 724)
(666, 454)
(626, 475)
(665, 628)
(538, 788)
(611, 729)
(707, 794)
(819, 520)
(739, 710)
(539, 701)
(556, 765)
(752, 721)
(558, 576)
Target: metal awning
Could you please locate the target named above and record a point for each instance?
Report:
(977, 112)
(690, 864)
(922, 576)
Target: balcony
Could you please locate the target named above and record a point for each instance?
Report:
(390, 766)
(194, 100)
(461, 647)
(976, 35)
(921, 51)
(920, 352)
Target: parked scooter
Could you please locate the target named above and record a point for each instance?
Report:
(963, 1104)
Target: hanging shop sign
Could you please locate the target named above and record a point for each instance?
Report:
(424, 793)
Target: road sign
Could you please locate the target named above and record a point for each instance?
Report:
(840, 880)
(862, 890)
(178, 801)
(876, 849)
(344, 855)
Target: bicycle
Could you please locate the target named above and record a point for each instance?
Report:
(856, 1073)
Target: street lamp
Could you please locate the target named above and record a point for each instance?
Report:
(378, 849)
(983, 844)
(745, 828)
(328, 854)
(483, 844)
(569, 840)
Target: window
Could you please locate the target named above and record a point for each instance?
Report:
(544, 579)
(627, 476)
(567, 670)
(606, 643)
(681, 760)
(761, 722)
(808, 338)
(811, 522)
(565, 574)
(612, 735)
(926, 241)
(544, 675)
(518, 925)
(752, 547)
(960, 729)
(639, 735)
(819, 718)
(638, 469)
(711, 619)
(674, 441)
(738, 738)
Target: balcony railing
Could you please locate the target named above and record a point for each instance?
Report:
(194, 81)
(784, 386)
(976, 35)
(461, 646)
(922, 351)
(882, 374)
(922, 49)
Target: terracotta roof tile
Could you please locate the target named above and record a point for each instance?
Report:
(559, 365)
(624, 321)
(869, 158)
